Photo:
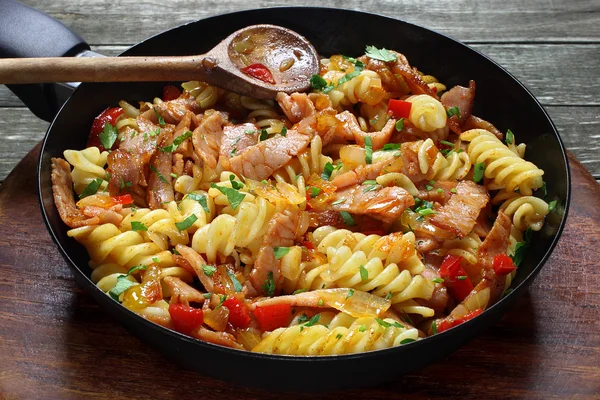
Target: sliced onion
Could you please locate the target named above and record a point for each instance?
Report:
(249, 338)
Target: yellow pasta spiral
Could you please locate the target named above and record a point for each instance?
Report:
(264, 115)
(205, 94)
(365, 88)
(88, 164)
(525, 211)
(455, 166)
(363, 334)
(506, 169)
(427, 113)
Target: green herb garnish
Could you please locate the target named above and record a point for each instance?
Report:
(160, 176)
(200, 199)
(364, 274)
(176, 142)
(368, 149)
(453, 111)
(391, 146)
(400, 124)
(350, 294)
(380, 54)
(318, 82)
(237, 286)
(386, 324)
(510, 137)
(478, 172)
(161, 120)
(269, 286)
(348, 220)
(138, 226)
(234, 197)
(280, 252)
(108, 136)
(209, 270)
(327, 170)
(91, 188)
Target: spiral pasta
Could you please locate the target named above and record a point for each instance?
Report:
(427, 113)
(363, 334)
(455, 166)
(506, 169)
(206, 95)
(88, 164)
(366, 88)
(263, 113)
(526, 211)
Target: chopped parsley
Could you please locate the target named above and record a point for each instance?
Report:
(91, 188)
(209, 270)
(552, 205)
(510, 137)
(447, 143)
(280, 252)
(222, 299)
(138, 226)
(234, 197)
(314, 192)
(207, 295)
(234, 184)
(237, 286)
(434, 328)
(368, 149)
(388, 296)
(521, 247)
(478, 172)
(345, 79)
(299, 291)
(155, 260)
(318, 82)
(350, 294)
(364, 274)
(160, 176)
(453, 190)
(176, 142)
(407, 340)
(437, 280)
(108, 136)
(380, 54)
(320, 303)
(283, 132)
(340, 201)
(123, 283)
(338, 336)
(386, 324)
(425, 209)
(264, 135)
(161, 120)
(327, 171)
(269, 286)
(544, 190)
(461, 277)
(302, 319)
(348, 220)
(200, 199)
(400, 124)
(174, 175)
(453, 111)
(313, 321)
(391, 146)
(362, 328)
(428, 187)
(186, 223)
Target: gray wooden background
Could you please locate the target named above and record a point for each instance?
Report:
(551, 46)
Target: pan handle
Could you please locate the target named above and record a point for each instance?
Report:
(27, 32)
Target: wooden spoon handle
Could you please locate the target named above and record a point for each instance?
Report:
(101, 69)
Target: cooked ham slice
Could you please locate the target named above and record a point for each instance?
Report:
(221, 338)
(236, 139)
(173, 111)
(207, 137)
(385, 204)
(461, 97)
(411, 166)
(261, 160)
(460, 213)
(160, 181)
(411, 76)
(181, 292)
(283, 230)
(474, 122)
(196, 262)
(378, 139)
(62, 189)
(296, 106)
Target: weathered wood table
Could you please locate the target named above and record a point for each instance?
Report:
(56, 343)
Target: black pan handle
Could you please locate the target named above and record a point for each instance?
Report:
(27, 32)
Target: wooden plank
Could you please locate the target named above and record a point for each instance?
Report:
(540, 67)
(485, 20)
(579, 127)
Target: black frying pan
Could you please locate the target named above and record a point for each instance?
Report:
(500, 99)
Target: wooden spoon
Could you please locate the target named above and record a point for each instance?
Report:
(289, 57)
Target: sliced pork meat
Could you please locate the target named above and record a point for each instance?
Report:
(388, 80)
(411, 165)
(461, 97)
(385, 203)
(411, 76)
(220, 338)
(181, 292)
(474, 122)
(126, 175)
(283, 231)
(62, 189)
(460, 213)
(160, 181)
(359, 174)
(197, 263)
(378, 139)
(173, 111)
(236, 139)
(320, 100)
(207, 137)
(296, 106)
(261, 160)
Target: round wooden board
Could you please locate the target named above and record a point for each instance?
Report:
(55, 342)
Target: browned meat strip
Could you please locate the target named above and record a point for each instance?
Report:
(411, 76)
(261, 160)
(221, 338)
(474, 122)
(283, 231)
(296, 106)
(461, 97)
(385, 204)
(207, 137)
(62, 189)
(174, 110)
(182, 292)
(460, 213)
(197, 262)
(378, 139)
(389, 82)
(160, 185)
(236, 139)
(411, 166)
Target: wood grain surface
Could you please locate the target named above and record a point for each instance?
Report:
(56, 343)
(552, 47)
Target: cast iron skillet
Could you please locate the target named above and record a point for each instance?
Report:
(500, 99)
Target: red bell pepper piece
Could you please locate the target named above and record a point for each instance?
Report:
(274, 316)
(239, 316)
(308, 244)
(170, 92)
(185, 318)
(399, 108)
(503, 264)
(109, 115)
(452, 322)
(260, 72)
(458, 283)
(123, 199)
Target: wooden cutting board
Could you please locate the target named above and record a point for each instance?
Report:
(55, 342)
